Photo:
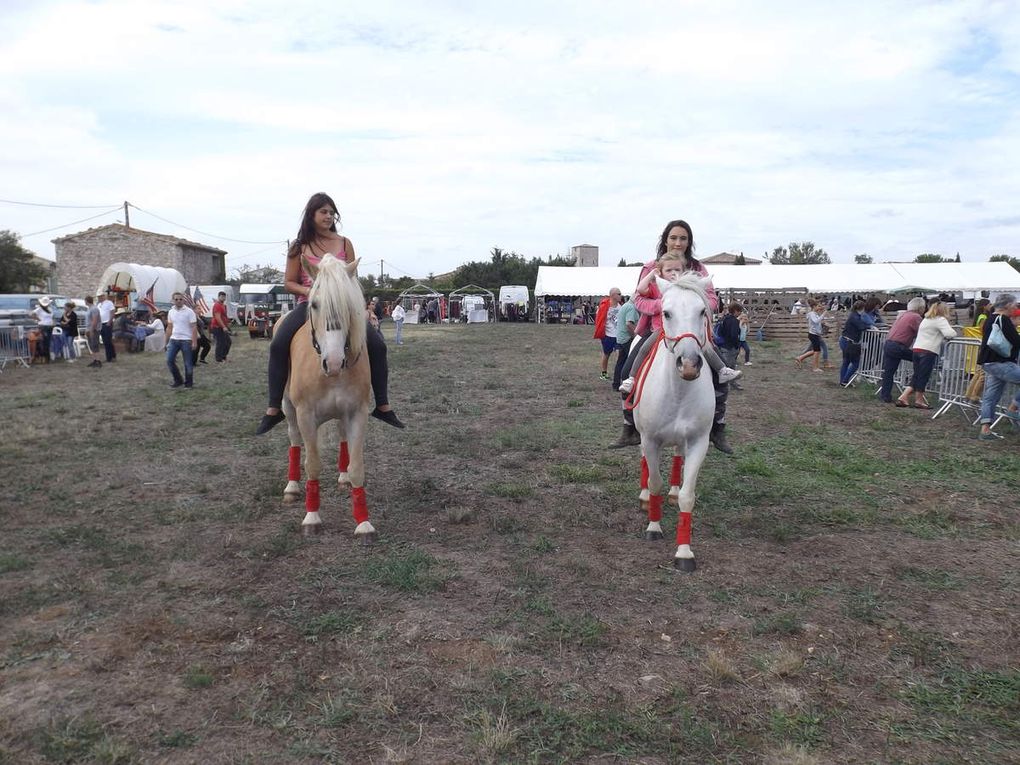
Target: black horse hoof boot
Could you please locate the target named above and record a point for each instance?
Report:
(684, 564)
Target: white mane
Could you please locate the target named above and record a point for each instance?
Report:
(694, 282)
(340, 301)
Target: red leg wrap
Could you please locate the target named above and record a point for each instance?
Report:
(655, 507)
(644, 473)
(294, 463)
(683, 529)
(343, 460)
(312, 496)
(359, 506)
(676, 473)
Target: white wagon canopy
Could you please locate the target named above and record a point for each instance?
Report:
(136, 278)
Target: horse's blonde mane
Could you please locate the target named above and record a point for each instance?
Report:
(340, 301)
(695, 282)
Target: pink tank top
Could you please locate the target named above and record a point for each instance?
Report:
(306, 280)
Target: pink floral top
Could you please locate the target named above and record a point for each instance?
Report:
(650, 304)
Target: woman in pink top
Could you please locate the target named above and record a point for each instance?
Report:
(317, 237)
(676, 241)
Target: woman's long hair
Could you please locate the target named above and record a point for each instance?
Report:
(306, 232)
(689, 252)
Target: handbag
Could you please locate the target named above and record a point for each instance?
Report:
(997, 339)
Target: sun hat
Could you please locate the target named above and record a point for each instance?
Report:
(45, 301)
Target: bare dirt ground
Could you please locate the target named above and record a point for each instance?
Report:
(855, 601)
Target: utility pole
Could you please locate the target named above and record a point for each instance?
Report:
(380, 272)
(127, 218)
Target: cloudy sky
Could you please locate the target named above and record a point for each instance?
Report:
(445, 128)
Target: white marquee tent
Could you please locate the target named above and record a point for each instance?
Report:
(833, 278)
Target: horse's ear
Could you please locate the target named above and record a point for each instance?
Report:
(663, 284)
(311, 270)
(352, 268)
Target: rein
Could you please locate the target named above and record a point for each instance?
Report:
(642, 373)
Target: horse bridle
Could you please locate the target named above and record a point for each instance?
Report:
(347, 347)
(683, 335)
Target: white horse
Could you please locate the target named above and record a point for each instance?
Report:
(675, 404)
(330, 380)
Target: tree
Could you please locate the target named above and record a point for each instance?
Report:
(504, 268)
(740, 260)
(622, 263)
(18, 272)
(931, 257)
(1015, 262)
(256, 275)
(957, 257)
(863, 258)
(798, 254)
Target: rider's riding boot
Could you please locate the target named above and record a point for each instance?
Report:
(389, 417)
(718, 439)
(629, 437)
(268, 422)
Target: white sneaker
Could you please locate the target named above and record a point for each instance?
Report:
(729, 375)
(747, 363)
(627, 385)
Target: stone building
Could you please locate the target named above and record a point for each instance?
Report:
(731, 259)
(585, 254)
(83, 257)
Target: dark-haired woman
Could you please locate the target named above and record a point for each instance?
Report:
(677, 239)
(316, 238)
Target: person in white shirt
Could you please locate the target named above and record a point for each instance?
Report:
(44, 316)
(934, 330)
(106, 309)
(182, 337)
(398, 319)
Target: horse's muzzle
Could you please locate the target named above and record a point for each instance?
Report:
(690, 366)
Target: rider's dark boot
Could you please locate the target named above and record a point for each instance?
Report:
(629, 437)
(718, 439)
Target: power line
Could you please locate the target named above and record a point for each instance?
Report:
(203, 233)
(73, 223)
(62, 207)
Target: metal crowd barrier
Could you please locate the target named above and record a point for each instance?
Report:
(952, 377)
(14, 347)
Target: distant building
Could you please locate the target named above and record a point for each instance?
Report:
(49, 283)
(585, 255)
(83, 257)
(730, 259)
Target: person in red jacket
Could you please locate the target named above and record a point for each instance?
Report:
(605, 326)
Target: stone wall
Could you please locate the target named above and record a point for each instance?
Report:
(201, 266)
(82, 258)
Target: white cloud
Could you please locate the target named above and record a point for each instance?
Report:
(443, 131)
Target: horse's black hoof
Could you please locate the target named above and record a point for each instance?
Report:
(653, 536)
(367, 540)
(684, 564)
(311, 529)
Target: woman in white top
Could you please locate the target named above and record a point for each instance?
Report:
(44, 316)
(935, 329)
(398, 318)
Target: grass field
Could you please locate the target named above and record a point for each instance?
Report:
(855, 601)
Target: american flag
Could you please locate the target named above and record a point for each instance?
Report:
(149, 301)
(201, 307)
(187, 298)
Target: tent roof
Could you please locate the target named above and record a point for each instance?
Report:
(472, 289)
(828, 278)
(586, 281)
(138, 278)
(255, 288)
(419, 290)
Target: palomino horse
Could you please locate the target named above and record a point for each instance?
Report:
(674, 405)
(330, 380)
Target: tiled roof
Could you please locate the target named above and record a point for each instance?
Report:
(137, 231)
